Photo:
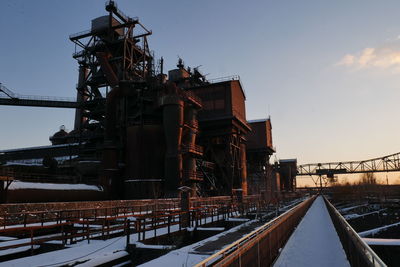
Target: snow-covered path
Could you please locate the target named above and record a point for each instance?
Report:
(314, 242)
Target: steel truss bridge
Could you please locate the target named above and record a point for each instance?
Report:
(389, 163)
(7, 97)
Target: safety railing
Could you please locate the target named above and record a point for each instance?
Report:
(228, 78)
(357, 251)
(41, 213)
(224, 79)
(6, 91)
(78, 225)
(260, 247)
(13, 95)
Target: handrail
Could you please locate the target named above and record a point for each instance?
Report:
(13, 95)
(388, 163)
(224, 79)
(237, 244)
(367, 250)
(144, 222)
(151, 205)
(6, 91)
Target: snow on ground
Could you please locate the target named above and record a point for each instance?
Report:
(355, 215)
(314, 242)
(16, 250)
(351, 216)
(382, 241)
(141, 245)
(21, 241)
(95, 253)
(83, 254)
(186, 256)
(7, 238)
(352, 208)
(237, 219)
(211, 228)
(26, 185)
(377, 230)
(99, 252)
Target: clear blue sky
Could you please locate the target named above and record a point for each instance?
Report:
(327, 72)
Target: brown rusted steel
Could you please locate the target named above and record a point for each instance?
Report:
(74, 224)
(262, 245)
(357, 251)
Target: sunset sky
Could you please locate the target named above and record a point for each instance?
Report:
(327, 72)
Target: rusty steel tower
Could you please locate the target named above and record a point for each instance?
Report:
(142, 127)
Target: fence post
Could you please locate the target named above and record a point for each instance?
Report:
(155, 226)
(138, 228)
(87, 229)
(31, 241)
(144, 229)
(62, 235)
(128, 233)
(169, 225)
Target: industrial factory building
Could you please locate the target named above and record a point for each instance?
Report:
(140, 133)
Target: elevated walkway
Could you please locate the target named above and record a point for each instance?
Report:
(9, 98)
(314, 242)
(312, 233)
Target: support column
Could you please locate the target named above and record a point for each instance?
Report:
(243, 168)
(80, 97)
(2, 192)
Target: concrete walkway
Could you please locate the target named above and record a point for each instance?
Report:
(314, 242)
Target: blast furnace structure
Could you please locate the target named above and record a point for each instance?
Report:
(139, 133)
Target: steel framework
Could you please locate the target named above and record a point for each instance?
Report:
(9, 98)
(390, 163)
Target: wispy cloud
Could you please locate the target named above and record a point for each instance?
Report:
(384, 58)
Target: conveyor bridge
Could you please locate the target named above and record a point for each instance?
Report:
(389, 163)
(9, 98)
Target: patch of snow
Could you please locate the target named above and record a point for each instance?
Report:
(314, 242)
(141, 245)
(352, 208)
(37, 161)
(377, 230)
(382, 241)
(48, 186)
(355, 215)
(351, 216)
(211, 228)
(7, 238)
(126, 263)
(187, 256)
(16, 250)
(237, 219)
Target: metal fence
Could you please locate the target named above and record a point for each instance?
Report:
(357, 251)
(144, 219)
(260, 247)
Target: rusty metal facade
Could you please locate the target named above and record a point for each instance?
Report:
(223, 132)
(259, 149)
(139, 133)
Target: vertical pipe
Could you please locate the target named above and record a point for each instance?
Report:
(173, 121)
(2, 192)
(243, 168)
(80, 97)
